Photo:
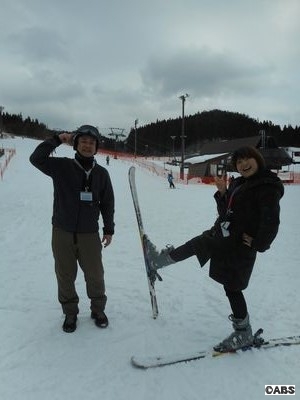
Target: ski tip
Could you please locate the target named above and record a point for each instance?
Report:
(136, 364)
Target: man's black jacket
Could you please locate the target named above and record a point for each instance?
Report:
(69, 179)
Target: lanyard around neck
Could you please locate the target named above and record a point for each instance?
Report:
(87, 174)
(85, 171)
(230, 201)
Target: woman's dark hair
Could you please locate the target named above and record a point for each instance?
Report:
(248, 152)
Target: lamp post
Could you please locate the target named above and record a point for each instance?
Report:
(182, 98)
(135, 125)
(263, 138)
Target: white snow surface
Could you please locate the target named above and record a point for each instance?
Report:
(39, 361)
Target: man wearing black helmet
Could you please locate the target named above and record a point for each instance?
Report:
(82, 191)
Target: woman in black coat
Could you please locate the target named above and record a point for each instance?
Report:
(248, 222)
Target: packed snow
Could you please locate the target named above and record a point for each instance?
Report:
(39, 361)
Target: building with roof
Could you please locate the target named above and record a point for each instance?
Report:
(215, 157)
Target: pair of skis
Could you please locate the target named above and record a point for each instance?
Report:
(145, 362)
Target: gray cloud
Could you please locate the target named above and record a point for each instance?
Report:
(108, 63)
(37, 44)
(203, 73)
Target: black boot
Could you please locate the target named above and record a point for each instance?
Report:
(70, 323)
(100, 319)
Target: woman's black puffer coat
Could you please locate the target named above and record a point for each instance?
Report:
(250, 206)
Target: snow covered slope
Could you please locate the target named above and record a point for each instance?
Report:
(39, 361)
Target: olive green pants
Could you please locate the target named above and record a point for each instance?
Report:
(69, 250)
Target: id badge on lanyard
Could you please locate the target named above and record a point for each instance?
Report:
(225, 224)
(86, 196)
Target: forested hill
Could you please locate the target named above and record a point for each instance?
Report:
(164, 137)
(17, 125)
(206, 126)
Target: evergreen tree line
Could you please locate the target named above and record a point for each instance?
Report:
(156, 138)
(16, 125)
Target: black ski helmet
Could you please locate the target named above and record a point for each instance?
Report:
(87, 130)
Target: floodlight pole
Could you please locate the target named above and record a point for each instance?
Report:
(1, 120)
(173, 146)
(183, 97)
(135, 137)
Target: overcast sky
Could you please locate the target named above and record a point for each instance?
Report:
(109, 62)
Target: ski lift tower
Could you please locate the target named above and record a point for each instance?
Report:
(117, 133)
